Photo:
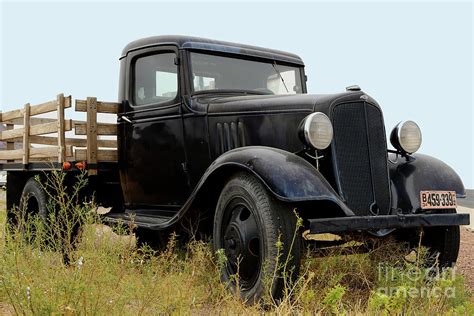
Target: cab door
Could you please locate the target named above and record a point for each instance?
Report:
(152, 148)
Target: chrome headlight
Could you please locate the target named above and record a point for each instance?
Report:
(316, 130)
(406, 137)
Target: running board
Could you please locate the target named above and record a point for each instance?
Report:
(143, 221)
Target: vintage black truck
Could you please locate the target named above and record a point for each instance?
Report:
(225, 136)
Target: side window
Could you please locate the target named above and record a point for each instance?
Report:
(156, 79)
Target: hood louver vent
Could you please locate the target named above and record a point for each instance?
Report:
(230, 135)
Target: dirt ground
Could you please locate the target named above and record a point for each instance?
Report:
(465, 262)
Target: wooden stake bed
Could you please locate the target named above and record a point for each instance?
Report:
(24, 128)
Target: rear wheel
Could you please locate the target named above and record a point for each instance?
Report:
(33, 203)
(60, 233)
(34, 199)
(258, 236)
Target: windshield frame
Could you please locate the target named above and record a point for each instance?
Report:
(190, 84)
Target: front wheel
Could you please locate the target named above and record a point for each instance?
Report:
(259, 237)
(442, 243)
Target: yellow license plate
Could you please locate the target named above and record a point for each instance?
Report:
(437, 199)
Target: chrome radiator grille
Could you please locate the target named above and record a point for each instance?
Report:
(360, 157)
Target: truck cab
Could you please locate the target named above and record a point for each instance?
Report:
(186, 101)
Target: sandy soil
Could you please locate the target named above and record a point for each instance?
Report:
(465, 262)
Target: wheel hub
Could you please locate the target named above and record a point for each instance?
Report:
(233, 242)
(242, 245)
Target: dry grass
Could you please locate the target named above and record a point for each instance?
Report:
(110, 275)
(2, 214)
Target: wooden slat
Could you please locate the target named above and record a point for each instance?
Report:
(102, 129)
(102, 154)
(40, 120)
(26, 134)
(107, 143)
(12, 133)
(35, 153)
(49, 128)
(10, 145)
(91, 133)
(43, 140)
(77, 142)
(11, 115)
(44, 152)
(33, 120)
(76, 122)
(46, 128)
(48, 152)
(11, 154)
(42, 108)
(61, 128)
(67, 101)
(102, 107)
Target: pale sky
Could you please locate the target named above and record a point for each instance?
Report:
(415, 59)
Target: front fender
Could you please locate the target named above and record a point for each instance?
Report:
(289, 177)
(423, 173)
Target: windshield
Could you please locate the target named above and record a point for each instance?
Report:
(214, 73)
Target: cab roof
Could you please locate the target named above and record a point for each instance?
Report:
(204, 44)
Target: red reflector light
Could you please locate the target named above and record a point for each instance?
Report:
(81, 165)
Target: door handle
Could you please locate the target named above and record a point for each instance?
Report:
(126, 119)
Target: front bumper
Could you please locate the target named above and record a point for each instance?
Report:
(372, 223)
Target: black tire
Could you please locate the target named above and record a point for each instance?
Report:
(443, 244)
(247, 215)
(33, 202)
(34, 199)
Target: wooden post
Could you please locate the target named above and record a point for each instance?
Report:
(10, 145)
(61, 129)
(26, 135)
(92, 134)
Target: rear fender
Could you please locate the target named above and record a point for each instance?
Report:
(423, 173)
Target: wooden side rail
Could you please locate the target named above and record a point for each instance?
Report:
(24, 118)
(76, 142)
(100, 129)
(42, 108)
(46, 128)
(38, 154)
(102, 107)
(22, 127)
(92, 128)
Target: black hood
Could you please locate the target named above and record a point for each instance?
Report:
(249, 104)
(263, 120)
